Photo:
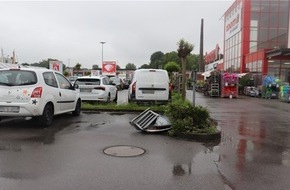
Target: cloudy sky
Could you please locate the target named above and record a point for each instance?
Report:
(71, 31)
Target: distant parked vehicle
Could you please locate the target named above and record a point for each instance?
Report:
(118, 82)
(72, 79)
(150, 85)
(96, 88)
(37, 92)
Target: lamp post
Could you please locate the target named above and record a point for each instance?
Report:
(102, 51)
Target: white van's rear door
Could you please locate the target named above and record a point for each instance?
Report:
(152, 85)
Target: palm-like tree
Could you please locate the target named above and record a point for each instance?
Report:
(184, 49)
(77, 67)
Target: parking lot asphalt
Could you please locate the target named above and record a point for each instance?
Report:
(101, 150)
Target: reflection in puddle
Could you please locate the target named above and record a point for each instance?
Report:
(12, 175)
(15, 148)
(117, 113)
(286, 158)
(180, 170)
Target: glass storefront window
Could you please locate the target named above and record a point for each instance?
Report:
(283, 20)
(264, 19)
(272, 34)
(274, 6)
(263, 34)
(253, 46)
(254, 34)
(273, 22)
(265, 6)
(284, 6)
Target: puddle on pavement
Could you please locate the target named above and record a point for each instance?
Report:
(286, 158)
(117, 113)
(14, 148)
(21, 176)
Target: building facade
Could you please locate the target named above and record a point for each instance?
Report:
(256, 38)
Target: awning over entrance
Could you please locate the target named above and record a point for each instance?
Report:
(206, 73)
(278, 52)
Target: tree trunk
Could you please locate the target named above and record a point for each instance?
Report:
(183, 77)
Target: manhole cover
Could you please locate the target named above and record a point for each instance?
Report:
(124, 151)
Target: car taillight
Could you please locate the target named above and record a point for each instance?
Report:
(100, 88)
(134, 88)
(37, 92)
(170, 87)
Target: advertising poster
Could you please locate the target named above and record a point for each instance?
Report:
(55, 65)
(109, 68)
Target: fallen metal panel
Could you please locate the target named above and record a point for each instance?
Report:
(150, 121)
(145, 119)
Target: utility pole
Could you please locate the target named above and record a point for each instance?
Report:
(201, 64)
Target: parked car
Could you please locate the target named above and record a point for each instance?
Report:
(96, 88)
(150, 85)
(118, 82)
(72, 79)
(37, 92)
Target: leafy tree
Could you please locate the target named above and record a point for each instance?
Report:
(95, 67)
(157, 60)
(78, 66)
(192, 61)
(171, 67)
(172, 57)
(145, 66)
(118, 67)
(43, 63)
(65, 73)
(25, 64)
(130, 66)
(184, 49)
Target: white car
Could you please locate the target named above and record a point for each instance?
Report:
(96, 88)
(150, 85)
(37, 92)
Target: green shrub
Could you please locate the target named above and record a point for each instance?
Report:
(185, 118)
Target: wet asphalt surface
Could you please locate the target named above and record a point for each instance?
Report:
(254, 151)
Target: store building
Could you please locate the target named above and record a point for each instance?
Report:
(213, 61)
(257, 38)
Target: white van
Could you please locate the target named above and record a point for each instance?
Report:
(150, 85)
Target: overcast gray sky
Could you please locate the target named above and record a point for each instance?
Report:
(71, 31)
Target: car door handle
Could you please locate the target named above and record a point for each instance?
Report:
(60, 94)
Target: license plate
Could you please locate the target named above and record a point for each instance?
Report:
(9, 109)
(86, 90)
(148, 91)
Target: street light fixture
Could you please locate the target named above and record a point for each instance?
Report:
(102, 51)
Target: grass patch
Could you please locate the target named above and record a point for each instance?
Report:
(96, 106)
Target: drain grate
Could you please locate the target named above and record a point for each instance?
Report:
(124, 151)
